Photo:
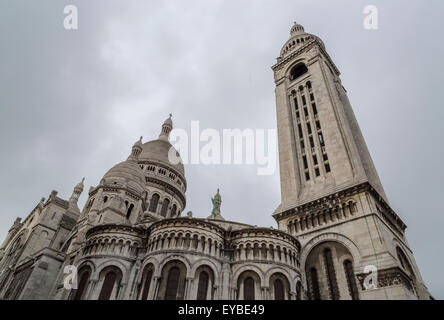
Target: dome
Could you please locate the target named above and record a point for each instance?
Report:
(157, 150)
(296, 29)
(126, 172)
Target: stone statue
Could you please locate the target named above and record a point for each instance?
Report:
(217, 200)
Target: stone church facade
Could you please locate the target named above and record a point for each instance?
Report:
(132, 241)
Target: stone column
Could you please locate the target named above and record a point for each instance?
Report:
(188, 285)
(152, 294)
(265, 293)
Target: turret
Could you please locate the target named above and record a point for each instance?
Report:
(166, 129)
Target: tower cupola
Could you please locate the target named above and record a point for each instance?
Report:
(136, 150)
(167, 126)
(296, 29)
(78, 189)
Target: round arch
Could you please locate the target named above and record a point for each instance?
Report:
(248, 267)
(277, 269)
(113, 263)
(301, 60)
(202, 262)
(180, 258)
(331, 237)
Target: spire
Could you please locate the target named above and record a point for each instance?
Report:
(167, 126)
(78, 189)
(136, 150)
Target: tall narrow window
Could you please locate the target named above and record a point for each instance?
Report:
(154, 202)
(173, 210)
(165, 205)
(304, 102)
(308, 127)
(315, 293)
(278, 290)
(315, 110)
(300, 131)
(172, 284)
(146, 283)
(304, 158)
(130, 209)
(202, 287)
(83, 283)
(351, 281)
(321, 139)
(311, 142)
(249, 289)
(327, 167)
(296, 106)
(331, 275)
(315, 160)
(108, 285)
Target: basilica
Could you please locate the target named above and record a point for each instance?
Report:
(336, 237)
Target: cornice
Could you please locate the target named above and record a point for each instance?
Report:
(283, 61)
(331, 200)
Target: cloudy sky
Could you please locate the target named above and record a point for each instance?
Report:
(72, 103)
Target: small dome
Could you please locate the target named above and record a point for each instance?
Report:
(298, 38)
(169, 121)
(126, 172)
(157, 150)
(296, 29)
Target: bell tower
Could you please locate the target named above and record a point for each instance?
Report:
(321, 148)
(332, 199)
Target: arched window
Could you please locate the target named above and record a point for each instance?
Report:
(249, 289)
(172, 284)
(130, 209)
(105, 199)
(154, 202)
(165, 206)
(108, 285)
(331, 275)
(84, 275)
(202, 287)
(146, 282)
(278, 290)
(315, 293)
(351, 281)
(404, 262)
(297, 71)
(173, 210)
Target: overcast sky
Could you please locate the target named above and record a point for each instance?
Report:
(72, 103)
